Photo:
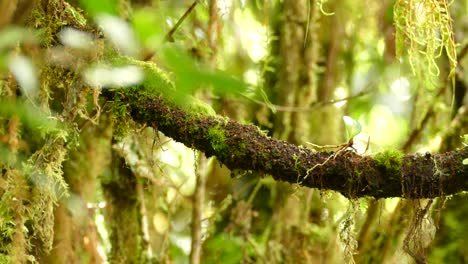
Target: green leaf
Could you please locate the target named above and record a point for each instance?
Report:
(465, 162)
(222, 82)
(225, 248)
(191, 75)
(352, 126)
(99, 7)
(148, 28)
(120, 34)
(30, 117)
(12, 35)
(25, 73)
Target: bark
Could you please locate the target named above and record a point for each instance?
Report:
(245, 147)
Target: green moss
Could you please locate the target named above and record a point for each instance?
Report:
(390, 160)
(217, 138)
(297, 163)
(199, 107)
(358, 173)
(242, 146)
(120, 117)
(157, 83)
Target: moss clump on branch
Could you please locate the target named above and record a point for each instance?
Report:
(156, 83)
(217, 138)
(390, 161)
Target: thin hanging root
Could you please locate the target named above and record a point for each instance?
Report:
(342, 148)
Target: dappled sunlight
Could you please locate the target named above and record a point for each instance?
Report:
(253, 35)
(401, 88)
(384, 128)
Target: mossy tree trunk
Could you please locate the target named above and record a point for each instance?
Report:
(295, 86)
(123, 213)
(76, 238)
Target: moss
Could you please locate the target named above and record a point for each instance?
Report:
(217, 139)
(199, 107)
(57, 15)
(357, 173)
(297, 163)
(275, 154)
(156, 83)
(241, 147)
(120, 117)
(32, 185)
(237, 149)
(390, 160)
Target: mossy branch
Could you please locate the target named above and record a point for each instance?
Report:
(245, 147)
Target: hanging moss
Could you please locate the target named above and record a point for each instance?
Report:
(38, 161)
(423, 31)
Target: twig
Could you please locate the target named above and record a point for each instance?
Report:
(144, 221)
(197, 208)
(169, 36)
(425, 120)
(313, 106)
(341, 148)
(213, 30)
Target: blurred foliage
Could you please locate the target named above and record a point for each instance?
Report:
(95, 8)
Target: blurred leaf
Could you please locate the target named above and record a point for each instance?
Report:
(222, 82)
(465, 162)
(120, 34)
(352, 126)
(224, 249)
(184, 68)
(190, 75)
(148, 27)
(30, 117)
(177, 255)
(99, 7)
(104, 76)
(75, 38)
(7, 157)
(25, 73)
(12, 35)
